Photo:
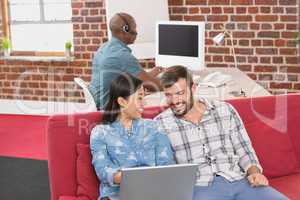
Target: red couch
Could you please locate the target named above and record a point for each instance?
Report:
(272, 122)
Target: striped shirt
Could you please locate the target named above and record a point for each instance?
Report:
(219, 143)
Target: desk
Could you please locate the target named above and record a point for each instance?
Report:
(232, 89)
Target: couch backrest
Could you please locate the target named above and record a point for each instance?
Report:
(272, 125)
(281, 113)
(65, 131)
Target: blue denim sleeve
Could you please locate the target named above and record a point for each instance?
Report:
(104, 167)
(164, 152)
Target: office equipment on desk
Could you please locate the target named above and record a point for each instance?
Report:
(220, 39)
(180, 43)
(237, 85)
(159, 183)
(227, 83)
(214, 79)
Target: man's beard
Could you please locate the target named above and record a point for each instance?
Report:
(188, 107)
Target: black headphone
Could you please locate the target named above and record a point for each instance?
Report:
(125, 27)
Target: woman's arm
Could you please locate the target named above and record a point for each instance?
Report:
(164, 153)
(104, 167)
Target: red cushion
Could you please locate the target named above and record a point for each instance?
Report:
(273, 148)
(87, 181)
(151, 112)
(288, 185)
(72, 198)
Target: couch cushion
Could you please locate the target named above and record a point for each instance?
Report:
(293, 131)
(63, 133)
(151, 112)
(288, 185)
(87, 181)
(273, 148)
(72, 198)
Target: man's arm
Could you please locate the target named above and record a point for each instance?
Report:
(241, 141)
(253, 169)
(150, 82)
(131, 65)
(242, 144)
(155, 71)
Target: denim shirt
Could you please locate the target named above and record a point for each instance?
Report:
(112, 59)
(114, 148)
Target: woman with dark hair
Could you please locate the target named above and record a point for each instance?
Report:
(124, 139)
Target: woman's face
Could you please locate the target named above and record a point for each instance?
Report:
(134, 104)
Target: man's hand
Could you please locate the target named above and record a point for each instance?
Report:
(257, 179)
(117, 177)
(156, 70)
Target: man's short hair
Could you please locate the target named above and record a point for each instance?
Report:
(173, 74)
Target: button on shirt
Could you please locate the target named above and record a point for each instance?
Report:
(112, 59)
(219, 143)
(113, 148)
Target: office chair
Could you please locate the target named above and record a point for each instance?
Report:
(89, 100)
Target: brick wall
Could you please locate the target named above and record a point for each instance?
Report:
(53, 80)
(263, 32)
(263, 37)
(89, 24)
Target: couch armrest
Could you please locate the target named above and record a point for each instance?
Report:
(72, 198)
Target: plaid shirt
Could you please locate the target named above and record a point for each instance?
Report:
(219, 143)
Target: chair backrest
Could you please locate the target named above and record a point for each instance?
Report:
(89, 99)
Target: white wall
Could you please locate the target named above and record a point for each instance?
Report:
(146, 14)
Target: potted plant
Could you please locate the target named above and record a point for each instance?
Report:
(298, 37)
(68, 47)
(6, 46)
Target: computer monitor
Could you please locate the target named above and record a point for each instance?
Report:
(180, 43)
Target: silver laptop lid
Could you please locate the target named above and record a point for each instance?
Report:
(172, 182)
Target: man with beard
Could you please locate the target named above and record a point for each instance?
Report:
(212, 135)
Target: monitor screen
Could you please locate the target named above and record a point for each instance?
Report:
(178, 40)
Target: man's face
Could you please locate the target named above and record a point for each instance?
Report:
(132, 33)
(179, 97)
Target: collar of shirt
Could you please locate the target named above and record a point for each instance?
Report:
(118, 125)
(206, 115)
(208, 104)
(116, 40)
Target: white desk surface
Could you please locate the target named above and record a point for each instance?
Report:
(240, 81)
(25, 107)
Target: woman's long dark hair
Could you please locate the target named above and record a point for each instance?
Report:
(123, 86)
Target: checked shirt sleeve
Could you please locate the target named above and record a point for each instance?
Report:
(241, 142)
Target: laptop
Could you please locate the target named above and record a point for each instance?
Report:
(170, 182)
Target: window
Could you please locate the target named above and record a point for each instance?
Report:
(39, 25)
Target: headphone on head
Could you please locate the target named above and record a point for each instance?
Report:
(125, 27)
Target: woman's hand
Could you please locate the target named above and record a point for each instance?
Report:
(117, 177)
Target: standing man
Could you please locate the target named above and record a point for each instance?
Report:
(115, 57)
(212, 135)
